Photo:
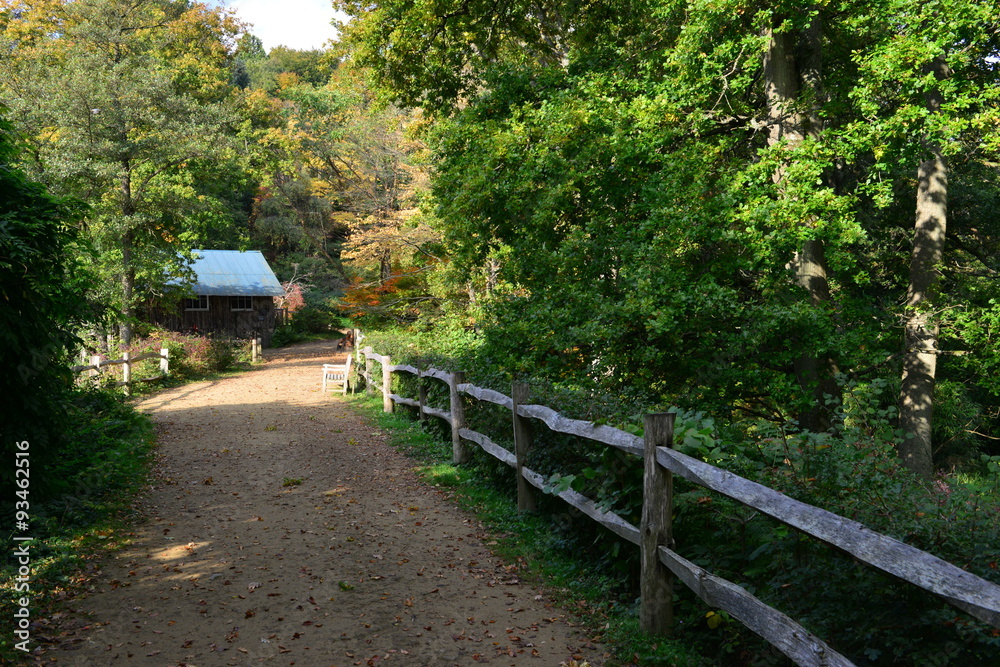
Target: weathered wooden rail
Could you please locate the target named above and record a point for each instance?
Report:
(659, 563)
(96, 364)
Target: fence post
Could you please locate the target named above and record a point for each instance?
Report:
(253, 350)
(368, 371)
(421, 391)
(164, 361)
(126, 373)
(522, 442)
(459, 452)
(656, 614)
(386, 384)
(95, 361)
(357, 366)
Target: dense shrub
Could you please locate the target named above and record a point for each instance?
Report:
(42, 289)
(286, 335)
(871, 617)
(190, 355)
(319, 316)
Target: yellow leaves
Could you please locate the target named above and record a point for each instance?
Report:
(41, 20)
(287, 80)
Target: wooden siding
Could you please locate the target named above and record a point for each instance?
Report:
(220, 318)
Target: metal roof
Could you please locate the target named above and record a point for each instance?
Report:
(234, 273)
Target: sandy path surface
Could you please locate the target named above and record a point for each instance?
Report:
(359, 564)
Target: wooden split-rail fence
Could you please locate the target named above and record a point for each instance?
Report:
(659, 563)
(96, 365)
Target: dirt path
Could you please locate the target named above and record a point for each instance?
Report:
(359, 564)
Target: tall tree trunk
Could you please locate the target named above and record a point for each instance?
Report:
(128, 288)
(792, 69)
(492, 274)
(128, 262)
(385, 266)
(916, 396)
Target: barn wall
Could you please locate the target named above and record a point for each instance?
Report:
(220, 319)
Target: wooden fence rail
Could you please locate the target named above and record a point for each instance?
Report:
(972, 594)
(96, 364)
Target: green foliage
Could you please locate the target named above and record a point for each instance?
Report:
(253, 68)
(286, 335)
(320, 314)
(870, 617)
(319, 317)
(142, 131)
(191, 356)
(42, 290)
(628, 204)
(851, 470)
(100, 468)
(608, 192)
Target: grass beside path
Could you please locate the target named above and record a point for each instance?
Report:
(80, 505)
(531, 541)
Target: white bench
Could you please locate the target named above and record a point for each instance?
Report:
(335, 376)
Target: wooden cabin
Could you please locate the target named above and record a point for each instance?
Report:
(233, 296)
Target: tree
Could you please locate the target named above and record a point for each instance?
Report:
(344, 170)
(793, 80)
(376, 169)
(255, 68)
(935, 84)
(127, 104)
(921, 329)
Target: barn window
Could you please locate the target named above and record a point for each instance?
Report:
(241, 303)
(199, 302)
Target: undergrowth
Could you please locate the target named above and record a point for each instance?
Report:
(79, 512)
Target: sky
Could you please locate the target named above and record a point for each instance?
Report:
(299, 24)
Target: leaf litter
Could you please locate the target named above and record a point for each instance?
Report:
(364, 562)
